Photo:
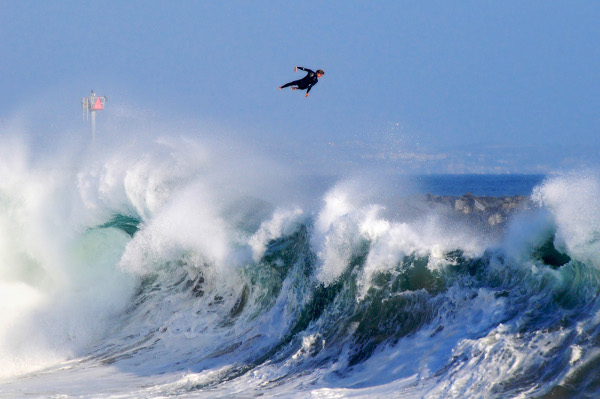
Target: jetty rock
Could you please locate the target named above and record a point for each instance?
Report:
(492, 211)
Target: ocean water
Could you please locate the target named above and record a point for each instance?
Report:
(482, 185)
(168, 270)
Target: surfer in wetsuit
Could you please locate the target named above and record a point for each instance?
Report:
(307, 82)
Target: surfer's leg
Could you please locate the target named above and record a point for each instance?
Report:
(294, 83)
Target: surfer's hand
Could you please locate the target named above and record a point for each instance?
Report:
(306, 95)
(295, 69)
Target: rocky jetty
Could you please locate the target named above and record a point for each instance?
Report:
(493, 211)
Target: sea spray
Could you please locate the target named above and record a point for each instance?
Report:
(66, 277)
(573, 201)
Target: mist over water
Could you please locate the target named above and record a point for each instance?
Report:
(168, 263)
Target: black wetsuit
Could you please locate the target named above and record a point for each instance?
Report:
(306, 82)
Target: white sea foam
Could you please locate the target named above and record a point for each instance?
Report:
(282, 223)
(348, 218)
(61, 280)
(187, 222)
(573, 202)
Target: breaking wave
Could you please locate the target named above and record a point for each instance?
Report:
(165, 272)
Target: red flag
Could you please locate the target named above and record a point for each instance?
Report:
(98, 104)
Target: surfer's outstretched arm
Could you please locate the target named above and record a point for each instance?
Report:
(303, 69)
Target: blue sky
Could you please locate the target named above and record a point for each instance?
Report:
(413, 87)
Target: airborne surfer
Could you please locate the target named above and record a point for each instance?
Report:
(307, 82)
